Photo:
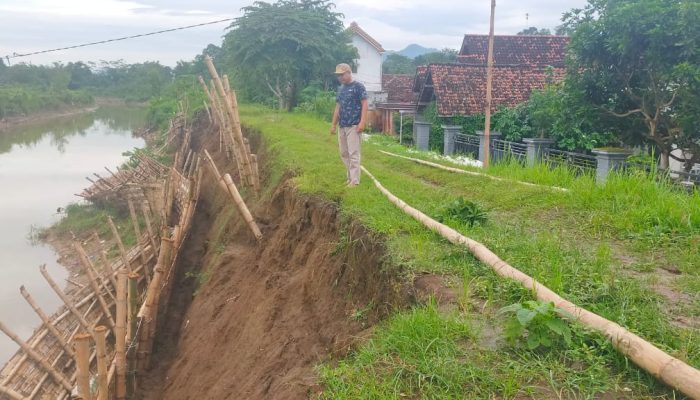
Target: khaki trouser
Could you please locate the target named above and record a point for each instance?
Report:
(349, 141)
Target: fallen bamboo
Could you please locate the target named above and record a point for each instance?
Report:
(101, 350)
(12, 394)
(82, 365)
(670, 370)
(45, 319)
(69, 304)
(37, 358)
(137, 230)
(120, 335)
(120, 244)
(462, 171)
(88, 267)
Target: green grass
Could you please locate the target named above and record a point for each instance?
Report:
(599, 246)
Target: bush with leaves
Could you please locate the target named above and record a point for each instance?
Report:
(464, 211)
(537, 323)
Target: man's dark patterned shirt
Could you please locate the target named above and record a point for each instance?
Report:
(350, 98)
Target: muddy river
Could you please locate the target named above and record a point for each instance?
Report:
(41, 167)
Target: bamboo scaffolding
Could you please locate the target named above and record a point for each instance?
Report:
(137, 230)
(45, 319)
(101, 351)
(145, 210)
(232, 112)
(132, 326)
(69, 304)
(120, 335)
(227, 183)
(12, 394)
(92, 279)
(37, 358)
(82, 363)
(668, 369)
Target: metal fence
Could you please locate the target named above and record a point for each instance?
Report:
(578, 162)
(503, 150)
(467, 144)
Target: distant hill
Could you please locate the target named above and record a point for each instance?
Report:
(412, 51)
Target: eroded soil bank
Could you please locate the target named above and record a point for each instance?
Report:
(251, 320)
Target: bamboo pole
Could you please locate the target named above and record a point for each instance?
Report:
(106, 264)
(237, 132)
(120, 244)
(670, 370)
(120, 334)
(82, 365)
(37, 358)
(92, 280)
(69, 304)
(149, 228)
(12, 394)
(45, 319)
(489, 83)
(137, 230)
(230, 187)
(101, 350)
(132, 326)
(463, 171)
(206, 108)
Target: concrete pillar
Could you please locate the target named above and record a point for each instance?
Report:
(536, 147)
(608, 160)
(421, 134)
(482, 143)
(450, 132)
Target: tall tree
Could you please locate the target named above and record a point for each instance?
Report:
(534, 31)
(280, 47)
(398, 64)
(639, 60)
(442, 56)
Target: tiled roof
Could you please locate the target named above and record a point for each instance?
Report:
(399, 88)
(355, 28)
(461, 89)
(534, 50)
(419, 79)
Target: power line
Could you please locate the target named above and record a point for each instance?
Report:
(16, 55)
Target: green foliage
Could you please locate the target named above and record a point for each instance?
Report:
(23, 100)
(278, 48)
(637, 61)
(464, 211)
(400, 64)
(534, 31)
(537, 323)
(407, 126)
(314, 100)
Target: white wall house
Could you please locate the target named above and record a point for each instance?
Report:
(369, 64)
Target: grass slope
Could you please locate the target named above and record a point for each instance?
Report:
(606, 248)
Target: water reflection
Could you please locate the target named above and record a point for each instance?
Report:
(41, 167)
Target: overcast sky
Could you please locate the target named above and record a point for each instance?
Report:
(33, 25)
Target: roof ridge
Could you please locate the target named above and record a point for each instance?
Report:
(515, 35)
(355, 27)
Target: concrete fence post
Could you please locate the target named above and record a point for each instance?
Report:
(608, 160)
(449, 135)
(482, 144)
(536, 149)
(421, 134)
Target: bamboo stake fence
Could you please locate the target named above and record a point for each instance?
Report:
(661, 365)
(70, 345)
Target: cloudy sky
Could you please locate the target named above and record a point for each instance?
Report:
(34, 25)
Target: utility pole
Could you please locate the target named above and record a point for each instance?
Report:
(489, 80)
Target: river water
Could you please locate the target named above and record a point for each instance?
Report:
(41, 167)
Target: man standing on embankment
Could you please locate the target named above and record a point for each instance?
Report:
(351, 113)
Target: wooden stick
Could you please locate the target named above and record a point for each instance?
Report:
(88, 267)
(238, 200)
(101, 350)
(145, 210)
(82, 364)
(106, 265)
(670, 370)
(120, 334)
(122, 250)
(256, 171)
(206, 107)
(69, 304)
(45, 319)
(137, 230)
(37, 358)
